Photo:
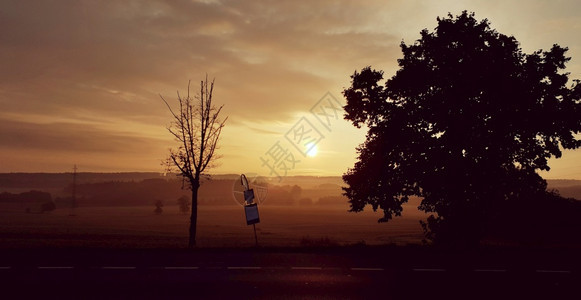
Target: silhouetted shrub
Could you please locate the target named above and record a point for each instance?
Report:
(307, 241)
(158, 207)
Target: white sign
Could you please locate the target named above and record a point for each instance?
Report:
(251, 214)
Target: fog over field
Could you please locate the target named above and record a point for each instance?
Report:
(118, 210)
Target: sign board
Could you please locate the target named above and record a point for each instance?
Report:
(251, 211)
(249, 196)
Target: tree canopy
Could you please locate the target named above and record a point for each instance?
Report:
(465, 123)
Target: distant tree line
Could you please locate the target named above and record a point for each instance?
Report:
(33, 201)
(44, 181)
(211, 192)
(126, 193)
(150, 190)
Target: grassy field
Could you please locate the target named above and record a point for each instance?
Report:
(139, 227)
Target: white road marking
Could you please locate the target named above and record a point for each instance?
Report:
(367, 269)
(243, 268)
(5, 268)
(553, 271)
(306, 268)
(56, 268)
(429, 270)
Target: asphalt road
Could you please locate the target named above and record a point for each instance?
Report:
(342, 273)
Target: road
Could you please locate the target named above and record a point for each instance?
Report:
(354, 273)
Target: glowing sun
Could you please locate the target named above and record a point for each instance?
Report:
(312, 150)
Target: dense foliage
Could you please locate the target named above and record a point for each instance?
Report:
(465, 123)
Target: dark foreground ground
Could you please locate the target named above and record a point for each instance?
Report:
(358, 272)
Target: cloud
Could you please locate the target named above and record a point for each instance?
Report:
(70, 137)
(262, 55)
(96, 68)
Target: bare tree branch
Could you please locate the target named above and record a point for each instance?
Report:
(197, 128)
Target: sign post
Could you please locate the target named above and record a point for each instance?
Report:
(250, 208)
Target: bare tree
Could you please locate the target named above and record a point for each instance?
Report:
(197, 127)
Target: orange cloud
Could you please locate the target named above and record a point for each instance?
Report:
(87, 74)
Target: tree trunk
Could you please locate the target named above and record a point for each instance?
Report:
(194, 215)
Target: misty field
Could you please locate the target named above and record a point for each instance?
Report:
(218, 226)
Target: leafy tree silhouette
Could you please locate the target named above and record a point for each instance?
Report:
(184, 204)
(465, 123)
(158, 207)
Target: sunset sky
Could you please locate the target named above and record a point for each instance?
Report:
(80, 80)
